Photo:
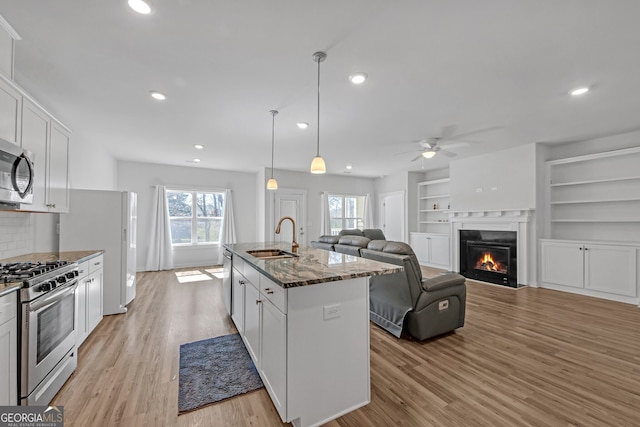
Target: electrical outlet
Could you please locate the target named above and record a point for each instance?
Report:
(331, 311)
(494, 188)
(479, 190)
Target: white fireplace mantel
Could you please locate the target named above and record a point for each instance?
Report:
(517, 220)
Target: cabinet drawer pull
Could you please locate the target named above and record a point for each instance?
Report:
(258, 301)
(268, 290)
(241, 282)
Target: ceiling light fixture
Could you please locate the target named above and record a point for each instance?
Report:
(428, 154)
(302, 125)
(196, 160)
(198, 146)
(158, 95)
(317, 164)
(579, 91)
(349, 167)
(140, 6)
(272, 184)
(358, 78)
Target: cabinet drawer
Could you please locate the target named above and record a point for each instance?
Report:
(238, 264)
(96, 263)
(274, 293)
(252, 275)
(83, 269)
(8, 307)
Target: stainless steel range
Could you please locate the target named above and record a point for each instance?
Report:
(47, 327)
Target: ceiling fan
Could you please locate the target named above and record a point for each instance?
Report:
(435, 145)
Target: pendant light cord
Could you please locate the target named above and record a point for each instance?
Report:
(273, 131)
(318, 130)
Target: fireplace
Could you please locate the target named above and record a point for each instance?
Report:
(489, 256)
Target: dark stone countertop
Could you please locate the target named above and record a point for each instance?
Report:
(312, 266)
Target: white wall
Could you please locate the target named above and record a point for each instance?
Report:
(314, 186)
(91, 166)
(507, 179)
(142, 177)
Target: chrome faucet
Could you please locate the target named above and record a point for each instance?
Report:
(295, 246)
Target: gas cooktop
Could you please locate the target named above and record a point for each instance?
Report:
(23, 271)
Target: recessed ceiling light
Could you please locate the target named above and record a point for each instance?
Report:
(579, 91)
(358, 78)
(302, 125)
(349, 167)
(141, 6)
(158, 95)
(196, 160)
(199, 146)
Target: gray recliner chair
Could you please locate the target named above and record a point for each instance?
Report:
(406, 301)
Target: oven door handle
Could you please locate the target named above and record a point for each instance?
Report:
(53, 297)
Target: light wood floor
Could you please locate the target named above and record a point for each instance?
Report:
(524, 357)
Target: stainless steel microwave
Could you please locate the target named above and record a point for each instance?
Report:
(16, 175)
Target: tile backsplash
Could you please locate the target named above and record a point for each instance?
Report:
(17, 232)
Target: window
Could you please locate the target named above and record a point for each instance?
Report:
(346, 212)
(195, 217)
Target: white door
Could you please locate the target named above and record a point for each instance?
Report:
(290, 203)
(392, 215)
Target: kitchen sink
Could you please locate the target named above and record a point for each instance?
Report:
(271, 254)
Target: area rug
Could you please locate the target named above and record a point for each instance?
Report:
(214, 369)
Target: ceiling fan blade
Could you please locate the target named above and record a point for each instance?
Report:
(416, 158)
(407, 152)
(457, 137)
(455, 144)
(447, 153)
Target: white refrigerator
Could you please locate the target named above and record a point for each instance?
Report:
(105, 220)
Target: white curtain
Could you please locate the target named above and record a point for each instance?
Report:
(160, 255)
(325, 218)
(228, 232)
(368, 211)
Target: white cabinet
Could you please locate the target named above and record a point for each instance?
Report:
(295, 337)
(252, 321)
(590, 268)
(433, 206)
(7, 47)
(58, 175)
(35, 138)
(49, 144)
(10, 112)
(89, 297)
(273, 363)
(8, 350)
(237, 299)
(432, 249)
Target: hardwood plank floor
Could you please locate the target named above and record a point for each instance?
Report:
(530, 357)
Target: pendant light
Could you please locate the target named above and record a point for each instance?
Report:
(272, 184)
(317, 165)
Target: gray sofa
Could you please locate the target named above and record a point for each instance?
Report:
(404, 301)
(349, 241)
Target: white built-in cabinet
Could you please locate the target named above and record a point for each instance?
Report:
(592, 229)
(48, 142)
(10, 110)
(89, 296)
(298, 349)
(8, 349)
(433, 250)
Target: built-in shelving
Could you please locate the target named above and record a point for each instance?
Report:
(433, 206)
(594, 197)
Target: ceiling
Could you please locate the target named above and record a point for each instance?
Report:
(500, 66)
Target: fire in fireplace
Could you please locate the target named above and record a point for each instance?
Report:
(489, 256)
(486, 262)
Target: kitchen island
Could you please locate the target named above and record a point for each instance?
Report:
(304, 319)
